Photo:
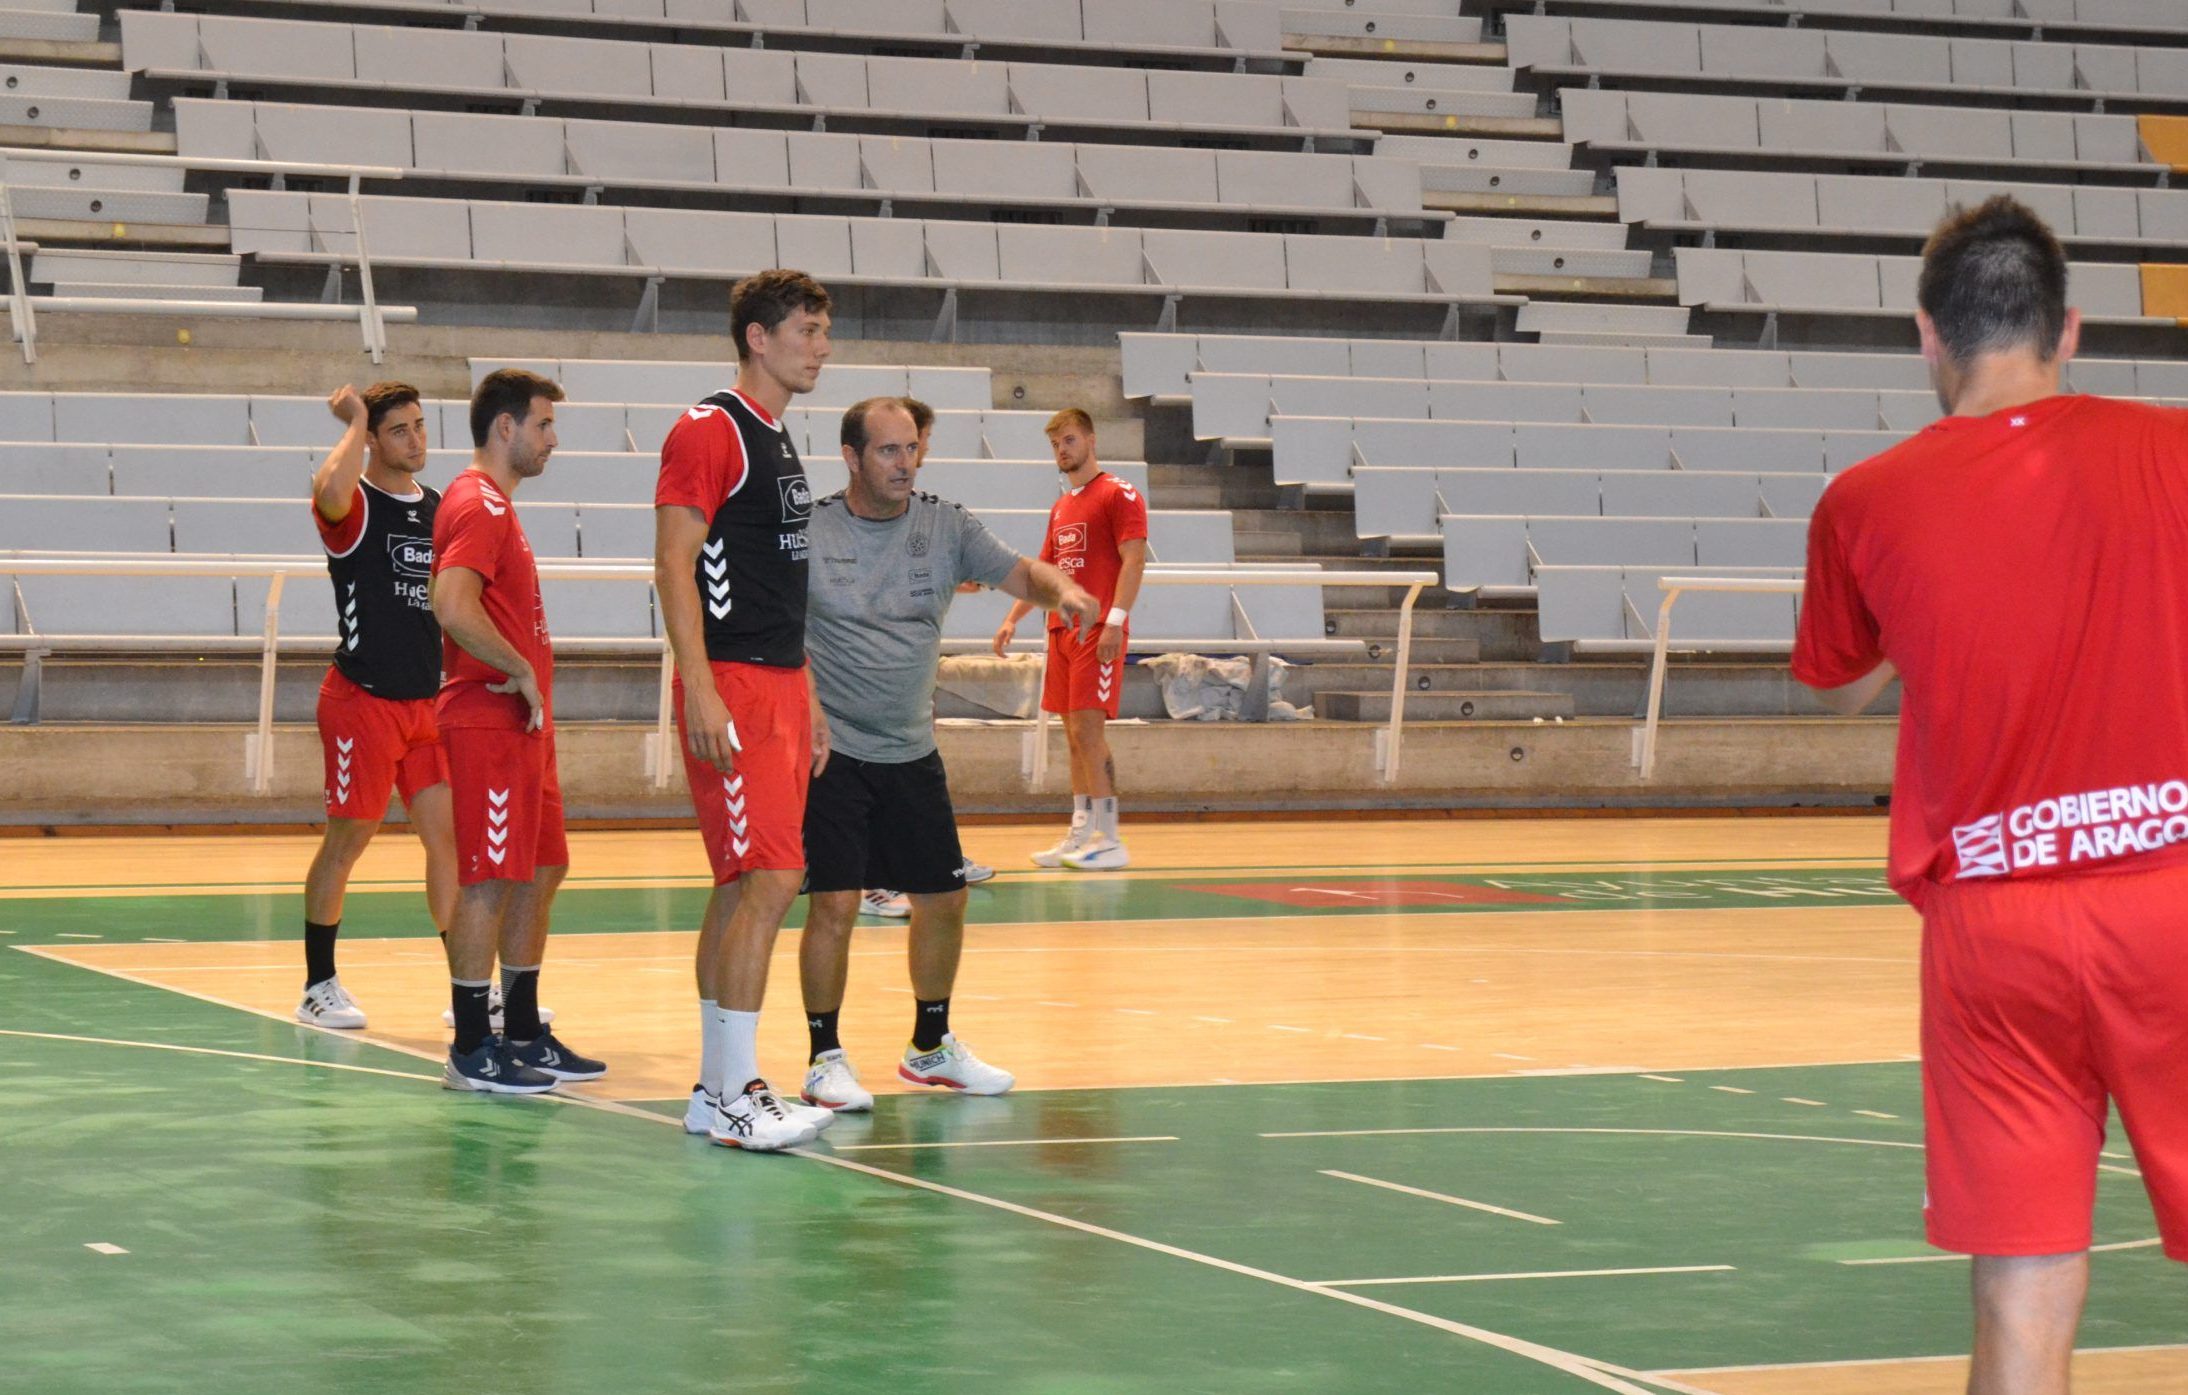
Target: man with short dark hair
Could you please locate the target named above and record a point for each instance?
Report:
(730, 511)
(887, 563)
(1097, 536)
(496, 710)
(376, 727)
(2022, 564)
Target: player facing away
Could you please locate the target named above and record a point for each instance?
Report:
(1097, 536)
(887, 561)
(376, 726)
(882, 901)
(2022, 566)
(730, 513)
(496, 711)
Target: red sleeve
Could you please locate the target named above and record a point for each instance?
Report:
(339, 538)
(702, 461)
(468, 534)
(1838, 639)
(1127, 512)
(1048, 535)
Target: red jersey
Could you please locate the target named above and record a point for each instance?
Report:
(2027, 574)
(1086, 529)
(476, 527)
(731, 460)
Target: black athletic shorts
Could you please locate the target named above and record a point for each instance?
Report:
(876, 824)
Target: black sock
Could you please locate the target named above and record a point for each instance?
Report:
(319, 951)
(520, 1003)
(469, 1002)
(821, 1028)
(932, 1024)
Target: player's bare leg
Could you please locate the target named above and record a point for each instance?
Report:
(736, 943)
(432, 815)
(1082, 804)
(326, 1003)
(1103, 851)
(2026, 1311)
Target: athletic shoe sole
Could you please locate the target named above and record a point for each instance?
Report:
(746, 1145)
(948, 1084)
(310, 1021)
(489, 1087)
(818, 1103)
(562, 1073)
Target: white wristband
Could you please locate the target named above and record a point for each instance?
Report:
(1117, 615)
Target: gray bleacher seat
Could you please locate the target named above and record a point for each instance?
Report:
(1580, 603)
(118, 525)
(1709, 619)
(1369, 266)
(1079, 256)
(896, 164)
(28, 468)
(1851, 409)
(1007, 435)
(1481, 551)
(460, 141)
(128, 605)
(194, 419)
(1005, 169)
(1136, 174)
(1597, 447)
(1392, 358)
(1710, 367)
(1276, 178)
(1559, 363)
(1317, 452)
(1155, 365)
(220, 472)
(590, 476)
(1269, 355)
(1791, 496)
(589, 609)
(1654, 406)
(547, 234)
(1677, 493)
(940, 86)
(253, 527)
(1842, 450)
(1744, 449)
(1648, 541)
(1815, 368)
(1494, 401)
(1455, 362)
(1059, 95)
(462, 62)
(1435, 443)
(1750, 542)
(1216, 260)
(706, 243)
(640, 150)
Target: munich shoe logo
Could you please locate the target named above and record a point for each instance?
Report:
(497, 825)
(1982, 847)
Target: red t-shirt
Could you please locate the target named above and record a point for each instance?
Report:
(2027, 574)
(477, 528)
(1085, 528)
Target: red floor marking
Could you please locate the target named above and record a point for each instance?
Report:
(1378, 891)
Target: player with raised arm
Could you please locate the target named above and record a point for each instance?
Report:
(887, 561)
(1097, 536)
(496, 711)
(2022, 566)
(376, 726)
(730, 513)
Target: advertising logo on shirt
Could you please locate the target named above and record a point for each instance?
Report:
(411, 556)
(797, 497)
(2073, 829)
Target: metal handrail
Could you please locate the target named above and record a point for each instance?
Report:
(1673, 588)
(372, 317)
(279, 569)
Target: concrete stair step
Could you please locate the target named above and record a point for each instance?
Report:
(141, 268)
(1625, 341)
(1372, 103)
(1443, 706)
(51, 25)
(1520, 204)
(1237, 488)
(109, 205)
(1573, 260)
(1557, 234)
(1275, 547)
(1535, 128)
(1583, 286)
(1482, 177)
(1432, 650)
(26, 80)
(1343, 623)
(1304, 682)
(1316, 530)
(1422, 50)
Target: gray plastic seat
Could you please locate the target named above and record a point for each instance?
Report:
(1657, 406)
(1216, 260)
(1005, 169)
(465, 141)
(1145, 174)
(1494, 401)
(1578, 604)
(701, 241)
(1744, 449)
(129, 605)
(161, 419)
(1675, 493)
(117, 525)
(1645, 541)
(1592, 447)
(1750, 542)
(1484, 551)
(223, 472)
(640, 150)
(1069, 256)
(29, 468)
(602, 609)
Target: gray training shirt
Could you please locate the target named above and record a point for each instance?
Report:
(873, 617)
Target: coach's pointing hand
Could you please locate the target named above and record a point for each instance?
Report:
(525, 683)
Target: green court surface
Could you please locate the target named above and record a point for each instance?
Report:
(296, 1211)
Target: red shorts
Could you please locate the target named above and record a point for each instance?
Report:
(508, 800)
(753, 819)
(374, 745)
(1077, 681)
(2041, 999)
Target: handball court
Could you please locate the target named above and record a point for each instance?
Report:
(1351, 1106)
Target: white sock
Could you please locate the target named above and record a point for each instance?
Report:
(1082, 810)
(710, 1051)
(1105, 817)
(737, 1037)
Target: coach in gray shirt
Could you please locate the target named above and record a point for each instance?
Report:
(885, 565)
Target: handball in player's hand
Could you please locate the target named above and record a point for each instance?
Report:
(347, 404)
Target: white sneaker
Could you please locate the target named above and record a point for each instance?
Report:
(327, 1004)
(493, 1012)
(1100, 853)
(893, 904)
(833, 1085)
(974, 873)
(1073, 841)
(755, 1120)
(699, 1114)
(953, 1066)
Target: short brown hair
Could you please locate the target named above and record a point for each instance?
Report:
(382, 398)
(767, 298)
(1070, 416)
(1993, 278)
(853, 433)
(507, 392)
(922, 414)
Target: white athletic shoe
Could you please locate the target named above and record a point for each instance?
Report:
(328, 1004)
(1077, 838)
(894, 905)
(699, 1114)
(1100, 853)
(953, 1066)
(756, 1120)
(974, 873)
(493, 1012)
(833, 1085)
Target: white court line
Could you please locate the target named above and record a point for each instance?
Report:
(1795, 1099)
(997, 1143)
(1436, 1046)
(1731, 1090)
(1874, 1114)
(1138, 1012)
(212, 1051)
(1948, 1259)
(1667, 1079)
(101, 1247)
(1219, 1021)
(1909, 1360)
(1538, 1274)
(1438, 1196)
(1275, 1027)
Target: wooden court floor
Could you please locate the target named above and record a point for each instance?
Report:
(1534, 1071)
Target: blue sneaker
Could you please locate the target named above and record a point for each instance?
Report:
(490, 1069)
(547, 1055)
